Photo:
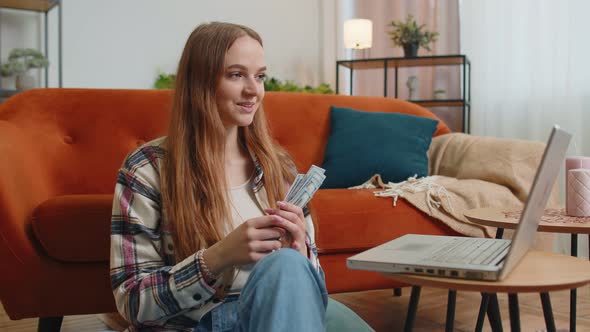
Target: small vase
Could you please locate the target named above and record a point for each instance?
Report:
(413, 86)
(411, 50)
(440, 95)
(24, 81)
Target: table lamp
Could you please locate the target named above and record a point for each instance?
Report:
(358, 33)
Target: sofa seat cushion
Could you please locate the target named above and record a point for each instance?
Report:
(75, 228)
(352, 220)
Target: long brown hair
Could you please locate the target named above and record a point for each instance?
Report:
(194, 189)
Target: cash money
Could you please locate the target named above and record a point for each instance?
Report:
(296, 183)
(305, 185)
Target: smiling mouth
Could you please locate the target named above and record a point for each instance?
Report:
(247, 107)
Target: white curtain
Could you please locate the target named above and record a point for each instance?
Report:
(440, 16)
(333, 13)
(530, 69)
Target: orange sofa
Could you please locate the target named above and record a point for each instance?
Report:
(60, 152)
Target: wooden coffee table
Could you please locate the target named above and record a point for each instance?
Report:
(537, 272)
(503, 219)
(497, 218)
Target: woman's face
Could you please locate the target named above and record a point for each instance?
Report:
(241, 88)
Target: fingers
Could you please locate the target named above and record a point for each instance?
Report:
(286, 206)
(295, 215)
(282, 232)
(257, 247)
(289, 218)
(262, 234)
(296, 231)
(292, 217)
(261, 222)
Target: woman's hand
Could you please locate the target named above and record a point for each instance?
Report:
(248, 243)
(293, 221)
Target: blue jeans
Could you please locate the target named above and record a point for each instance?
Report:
(283, 293)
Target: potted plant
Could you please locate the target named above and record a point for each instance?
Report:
(164, 81)
(274, 84)
(410, 36)
(20, 60)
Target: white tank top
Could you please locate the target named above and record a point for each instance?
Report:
(244, 206)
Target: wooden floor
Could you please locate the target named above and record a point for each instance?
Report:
(70, 324)
(384, 312)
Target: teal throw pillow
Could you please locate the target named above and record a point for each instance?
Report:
(362, 144)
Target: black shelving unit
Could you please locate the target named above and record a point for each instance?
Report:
(423, 61)
(7, 93)
(42, 7)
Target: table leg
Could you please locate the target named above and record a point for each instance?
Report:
(493, 309)
(485, 299)
(514, 312)
(573, 292)
(412, 308)
(548, 312)
(494, 313)
(573, 296)
(451, 300)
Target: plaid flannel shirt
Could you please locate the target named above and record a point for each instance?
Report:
(153, 291)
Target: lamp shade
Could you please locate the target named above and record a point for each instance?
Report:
(358, 33)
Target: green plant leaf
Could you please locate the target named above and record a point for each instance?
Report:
(408, 32)
(22, 59)
(165, 81)
(274, 84)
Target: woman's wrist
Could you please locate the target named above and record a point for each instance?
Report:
(211, 257)
(302, 248)
(207, 274)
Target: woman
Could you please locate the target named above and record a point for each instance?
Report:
(192, 206)
(201, 240)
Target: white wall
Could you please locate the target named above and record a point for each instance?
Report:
(125, 43)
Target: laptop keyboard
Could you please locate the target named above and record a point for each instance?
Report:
(478, 251)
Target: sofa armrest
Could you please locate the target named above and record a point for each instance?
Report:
(24, 184)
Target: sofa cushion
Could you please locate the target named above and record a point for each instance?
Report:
(352, 220)
(362, 144)
(75, 228)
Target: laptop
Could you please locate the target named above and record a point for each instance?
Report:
(471, 258)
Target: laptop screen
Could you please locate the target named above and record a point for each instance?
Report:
(547, 171)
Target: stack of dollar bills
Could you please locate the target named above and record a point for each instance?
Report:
(305, 185)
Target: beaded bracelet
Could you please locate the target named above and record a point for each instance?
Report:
(207, 274)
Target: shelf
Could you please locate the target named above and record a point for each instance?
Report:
(5, 93)
(385, 65)
(439, 103)
(42, 8)
(379, 63)
(33, 5)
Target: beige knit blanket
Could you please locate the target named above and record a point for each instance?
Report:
(469, 172)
